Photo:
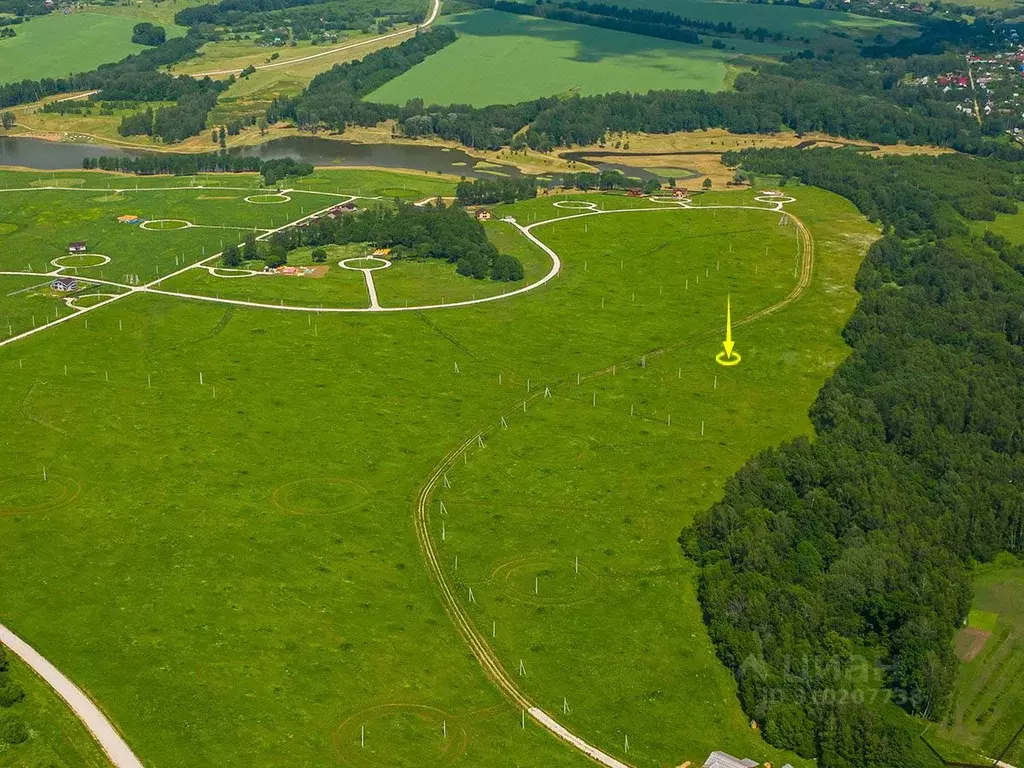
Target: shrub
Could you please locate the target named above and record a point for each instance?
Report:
(13, 730)
(10, 694)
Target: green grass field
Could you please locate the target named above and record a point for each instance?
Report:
(798, 23)
(238, 580)
(989, 704)
(503, 58)
(56, 45)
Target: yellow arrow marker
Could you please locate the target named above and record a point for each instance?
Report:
(728, 356)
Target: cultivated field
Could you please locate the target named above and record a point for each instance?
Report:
(503, 58)
(796, 23)
(989, 706)
(56, 45)
(228, 549)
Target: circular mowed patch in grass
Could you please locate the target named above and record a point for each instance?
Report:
(268, 199)
(89, 300)
(31, 493)
(81, 261)
(113, 197)
(401, 736)
(360, 263)
(6, 228)
(540, 580)
(162, 225)
(319, 496)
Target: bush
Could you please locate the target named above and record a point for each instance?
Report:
(10, 694)
(13, 730)
(506, 268)
(319, 255)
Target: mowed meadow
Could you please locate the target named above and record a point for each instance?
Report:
(504, 58)
(56, 45)
(223, 551)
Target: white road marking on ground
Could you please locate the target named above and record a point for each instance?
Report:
(564, 734)
(99, 726)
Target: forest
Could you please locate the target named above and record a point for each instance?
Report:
(835, 570)
(413, 232)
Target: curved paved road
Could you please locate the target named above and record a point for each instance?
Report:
(117, 750)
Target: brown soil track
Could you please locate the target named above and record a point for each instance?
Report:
(481, 649)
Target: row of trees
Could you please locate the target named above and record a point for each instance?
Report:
(826, 556)
(621, 22)
(486, 191)
(191, 164)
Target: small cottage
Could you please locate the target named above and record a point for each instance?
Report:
(64, 284)
(483, 215)
(77, 247)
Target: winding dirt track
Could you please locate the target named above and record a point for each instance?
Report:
(485, 655)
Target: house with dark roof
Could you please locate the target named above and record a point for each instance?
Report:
(64, 284)
(77, 247)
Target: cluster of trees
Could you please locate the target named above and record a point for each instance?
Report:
(274, 171)
(411, 232)
(826, 556)
(145, 33)
(12, 727)
(486, 191)
(184, 119)
(7, 120)
(607, 180)
(6, 32)
(134, 78)
(334, 98)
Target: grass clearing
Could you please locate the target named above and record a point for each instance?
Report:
(989, 700)
(259, 573)
(503, 58)
(56, 45)
(795, 22)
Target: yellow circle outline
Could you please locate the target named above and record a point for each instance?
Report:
(721, 359)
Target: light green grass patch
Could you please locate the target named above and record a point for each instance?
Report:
(503, 58)
(56, 45)
(984, 620)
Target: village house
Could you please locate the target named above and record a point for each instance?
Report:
(76, 247)
(64, 284)
(129, 218)
(483, 215)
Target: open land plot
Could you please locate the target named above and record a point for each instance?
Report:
(260, 573)
(56, 45)
(1008, 225)
(795, 22)
(503, 58)
(989, 705)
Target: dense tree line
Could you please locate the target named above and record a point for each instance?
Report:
(333, 98)
(233, 11)
(413, 232)
(858, 543)
(486, 191)
(621, 22)
(184, 119)
(189, 165)
(133, 78)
